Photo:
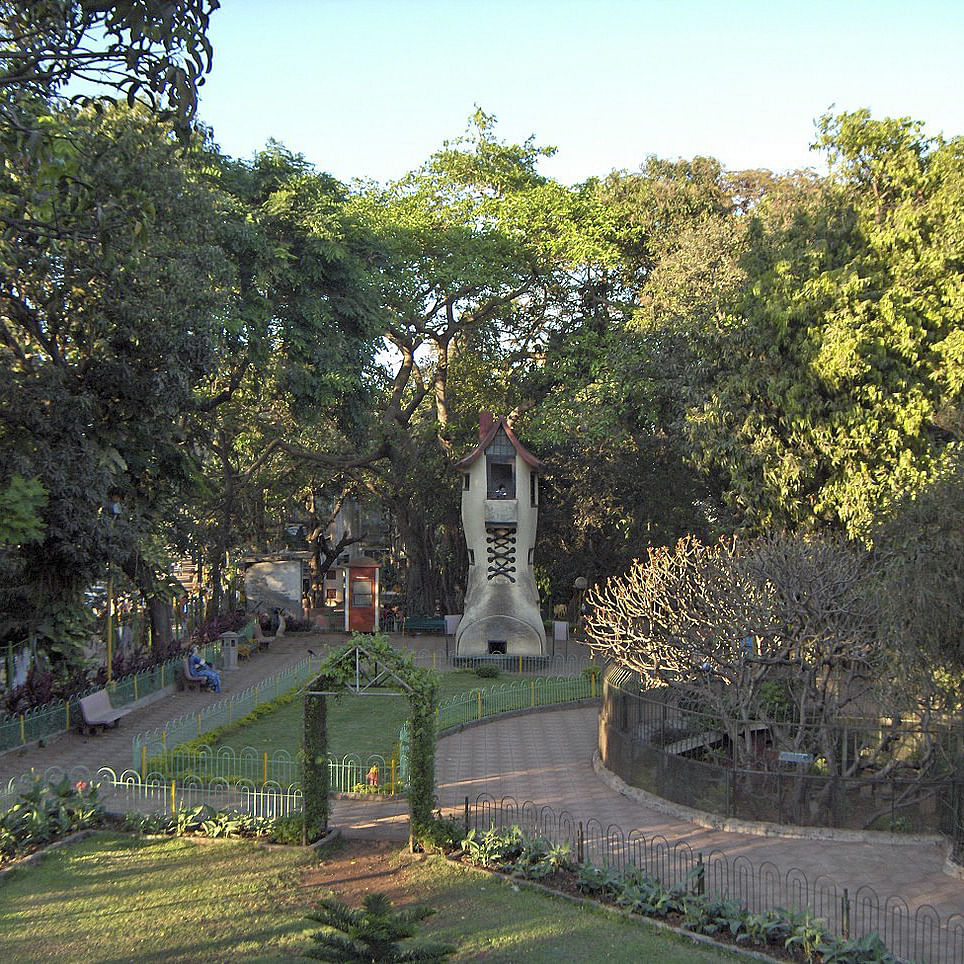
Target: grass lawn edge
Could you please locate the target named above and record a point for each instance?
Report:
(684, 935)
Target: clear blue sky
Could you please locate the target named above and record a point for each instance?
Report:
(369, 88)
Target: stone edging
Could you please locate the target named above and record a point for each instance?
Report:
(522, 711)
(759, 828)
(40, 854)
(703, 939)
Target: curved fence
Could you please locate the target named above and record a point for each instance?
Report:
(59, 715)
(155, 743)
(158, 755)
(128, 790)
(555, 665)
(654, 744)
(516, 695)
(918, 933)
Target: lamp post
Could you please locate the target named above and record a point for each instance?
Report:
(114, 509)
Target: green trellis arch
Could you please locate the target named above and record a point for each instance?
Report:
(363, 664)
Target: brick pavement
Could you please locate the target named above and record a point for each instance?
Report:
(545, 758)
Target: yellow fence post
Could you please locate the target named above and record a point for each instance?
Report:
(265, 766)
(199, 724)
(532, 690)
(67, 708)
(143, 762)
(479, 717)
(393, 775)
(173, 796)
(23, 736)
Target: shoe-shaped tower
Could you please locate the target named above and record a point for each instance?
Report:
(500, 509)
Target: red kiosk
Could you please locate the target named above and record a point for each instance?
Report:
(361, 595)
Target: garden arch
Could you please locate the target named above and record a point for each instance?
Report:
(363, 665)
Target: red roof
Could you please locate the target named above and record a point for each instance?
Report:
(488, 429)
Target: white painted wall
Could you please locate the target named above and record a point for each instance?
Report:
(498, 608)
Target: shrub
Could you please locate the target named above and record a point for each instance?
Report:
(487, 671)
(45, 812)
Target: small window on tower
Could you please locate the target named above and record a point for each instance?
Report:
(471, 557)
(532, 554)
(466, 481)
(533, 489)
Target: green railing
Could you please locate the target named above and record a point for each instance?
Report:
(158, 756)
(251, 767)
(517, 695)
(59, 715)
(155, 743)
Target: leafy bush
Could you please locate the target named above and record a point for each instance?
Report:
(213, 626)
(511, 850)
(205, 821)
(373, 932)
(45, 812)
(487, 671)
(441, 833)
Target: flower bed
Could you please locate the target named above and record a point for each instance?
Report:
(785, 934)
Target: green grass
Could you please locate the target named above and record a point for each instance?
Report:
(499, 921)
(119, 898)
(362, 725)
(113, 898)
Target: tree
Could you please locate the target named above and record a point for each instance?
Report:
(106, 330)
(832, 373)
(373, 932)
(783, 631)
(155, 50)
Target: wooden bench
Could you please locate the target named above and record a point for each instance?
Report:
(96, 710)
(190, 681)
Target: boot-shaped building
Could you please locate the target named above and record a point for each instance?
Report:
(500, 507)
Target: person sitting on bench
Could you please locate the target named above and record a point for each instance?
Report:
(202, 670)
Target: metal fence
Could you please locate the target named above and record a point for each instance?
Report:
(58, 716)
(653, 743)
(155, 743)
(248, 766)
(126, 791)
(919, 934)
(516, 695)
(553, 665)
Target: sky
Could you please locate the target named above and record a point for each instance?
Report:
(368, 89)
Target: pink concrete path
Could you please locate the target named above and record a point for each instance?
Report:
(546, 758)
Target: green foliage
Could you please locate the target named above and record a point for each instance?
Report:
(443, 833)
(511, 850)
(373, 932)
(21, 502)
(487, 671)
(205, 821)
(45, 812)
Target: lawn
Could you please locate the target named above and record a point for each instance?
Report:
(113, 898)
(498, 921)
(361, 725)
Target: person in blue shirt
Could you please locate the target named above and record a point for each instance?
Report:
(203, 671)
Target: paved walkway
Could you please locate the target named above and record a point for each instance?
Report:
(545, 758)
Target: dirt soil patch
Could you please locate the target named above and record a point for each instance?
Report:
(352, 869)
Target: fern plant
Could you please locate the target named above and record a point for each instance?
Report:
(372, 932)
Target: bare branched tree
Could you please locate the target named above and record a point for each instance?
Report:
(778, 638)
